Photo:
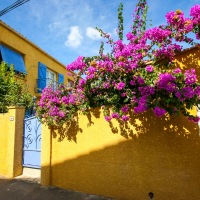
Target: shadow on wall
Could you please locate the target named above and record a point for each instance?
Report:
(189, 59)
(161, 155)
(68, 131)
(139, 124)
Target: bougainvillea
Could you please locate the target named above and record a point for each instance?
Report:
(135, 76)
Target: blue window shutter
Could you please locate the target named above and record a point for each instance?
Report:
(12, 57)
(42, 71)
(60, 78)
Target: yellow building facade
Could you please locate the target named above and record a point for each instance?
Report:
(36, 69)
(41, 68)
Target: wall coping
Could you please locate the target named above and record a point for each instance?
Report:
(16, 107)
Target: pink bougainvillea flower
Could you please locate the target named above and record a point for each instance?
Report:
(149, 68)
(107, 118)
(120, 85)
(159, 112)
(190, 77)
(125, 109)
(125, 118)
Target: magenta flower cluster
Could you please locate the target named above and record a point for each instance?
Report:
(149, 68)
(157, 34)
(133, 77)
(175, 19)
(57, 106)
(195, 13)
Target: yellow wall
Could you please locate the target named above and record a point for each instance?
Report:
(4, 118)
(189, 59)
(148, 154)
(11, 131)
(32, 55)
(125, 161)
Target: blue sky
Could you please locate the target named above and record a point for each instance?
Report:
(64, 28)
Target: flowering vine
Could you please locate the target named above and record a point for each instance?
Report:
(135, 76)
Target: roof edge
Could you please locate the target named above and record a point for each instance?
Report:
(188, 49)
(30, 42)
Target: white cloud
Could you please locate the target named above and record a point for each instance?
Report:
(58, 29)
(54, 26)
(74, 38)
(92, 33)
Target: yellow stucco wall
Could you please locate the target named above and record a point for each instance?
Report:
(189, 59)
(32, 55)
(4, 118)
(11, 131)
(149, 154)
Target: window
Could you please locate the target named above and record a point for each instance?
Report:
(70, 83)
(47, 77)
(50, 78)
(12, 57)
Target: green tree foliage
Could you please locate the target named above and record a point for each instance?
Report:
(13, 92)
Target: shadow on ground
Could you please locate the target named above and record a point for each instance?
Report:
(13, 189)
